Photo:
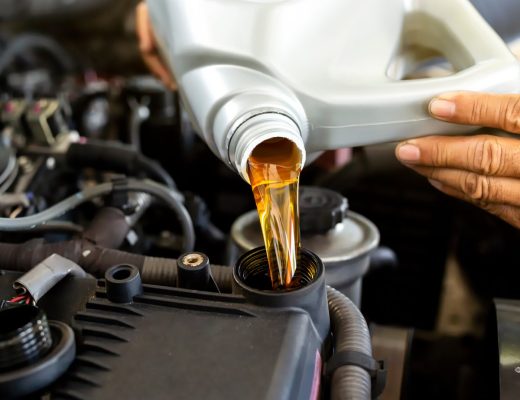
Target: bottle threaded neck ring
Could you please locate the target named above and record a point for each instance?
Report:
(258, 129)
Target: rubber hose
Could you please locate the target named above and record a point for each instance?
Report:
(223, 277)
(108, 228)
(96, 260)
(350, 334)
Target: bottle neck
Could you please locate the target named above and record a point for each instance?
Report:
(256, 130)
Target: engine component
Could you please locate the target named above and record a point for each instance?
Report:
(46, 275)
(97, 260)
(123, 283)
(25, 336)
(251, 279)
(9, 169)
(194, 272)
(34, 352)
(352, 379)
(508, 312)
(116, 157)
(109, 228)
(343, 240)
(286, 333)
(13, 112)
(45, 120)
(171, 198)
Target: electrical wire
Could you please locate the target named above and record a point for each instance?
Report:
(171, 198)
(32, 221)
(21, 299)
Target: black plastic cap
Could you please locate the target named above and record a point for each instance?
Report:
(320, 209)
(123, 283)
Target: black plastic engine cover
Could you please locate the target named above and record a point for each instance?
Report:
(183, 344)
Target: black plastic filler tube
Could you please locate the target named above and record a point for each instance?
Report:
(251, 279)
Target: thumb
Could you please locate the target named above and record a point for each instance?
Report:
(501, 111)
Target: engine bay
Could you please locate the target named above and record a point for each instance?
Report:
(129, 252)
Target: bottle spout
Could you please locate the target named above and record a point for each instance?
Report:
(259, 129)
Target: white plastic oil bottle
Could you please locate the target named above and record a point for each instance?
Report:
(324, 74)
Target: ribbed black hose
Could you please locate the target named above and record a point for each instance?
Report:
(350, 334)
(96, 260)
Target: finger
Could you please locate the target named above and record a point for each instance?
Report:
(500, 111)
(143, 29)
(156, 66)
(483, 154)
(508, 213)
(147, 46)
(479, 189)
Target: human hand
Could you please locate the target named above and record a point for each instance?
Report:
(483, 169)
(148, 47)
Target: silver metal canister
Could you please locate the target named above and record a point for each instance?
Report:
(342, 238)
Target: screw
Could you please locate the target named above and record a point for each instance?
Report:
(517, 370)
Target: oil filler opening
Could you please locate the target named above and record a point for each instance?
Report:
(252, 271)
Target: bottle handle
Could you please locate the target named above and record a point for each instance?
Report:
(396, 110)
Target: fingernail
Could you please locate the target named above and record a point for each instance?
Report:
(441, 108)
(436, 184)
(409, 153)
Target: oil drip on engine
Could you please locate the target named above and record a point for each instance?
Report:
(274, 171)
